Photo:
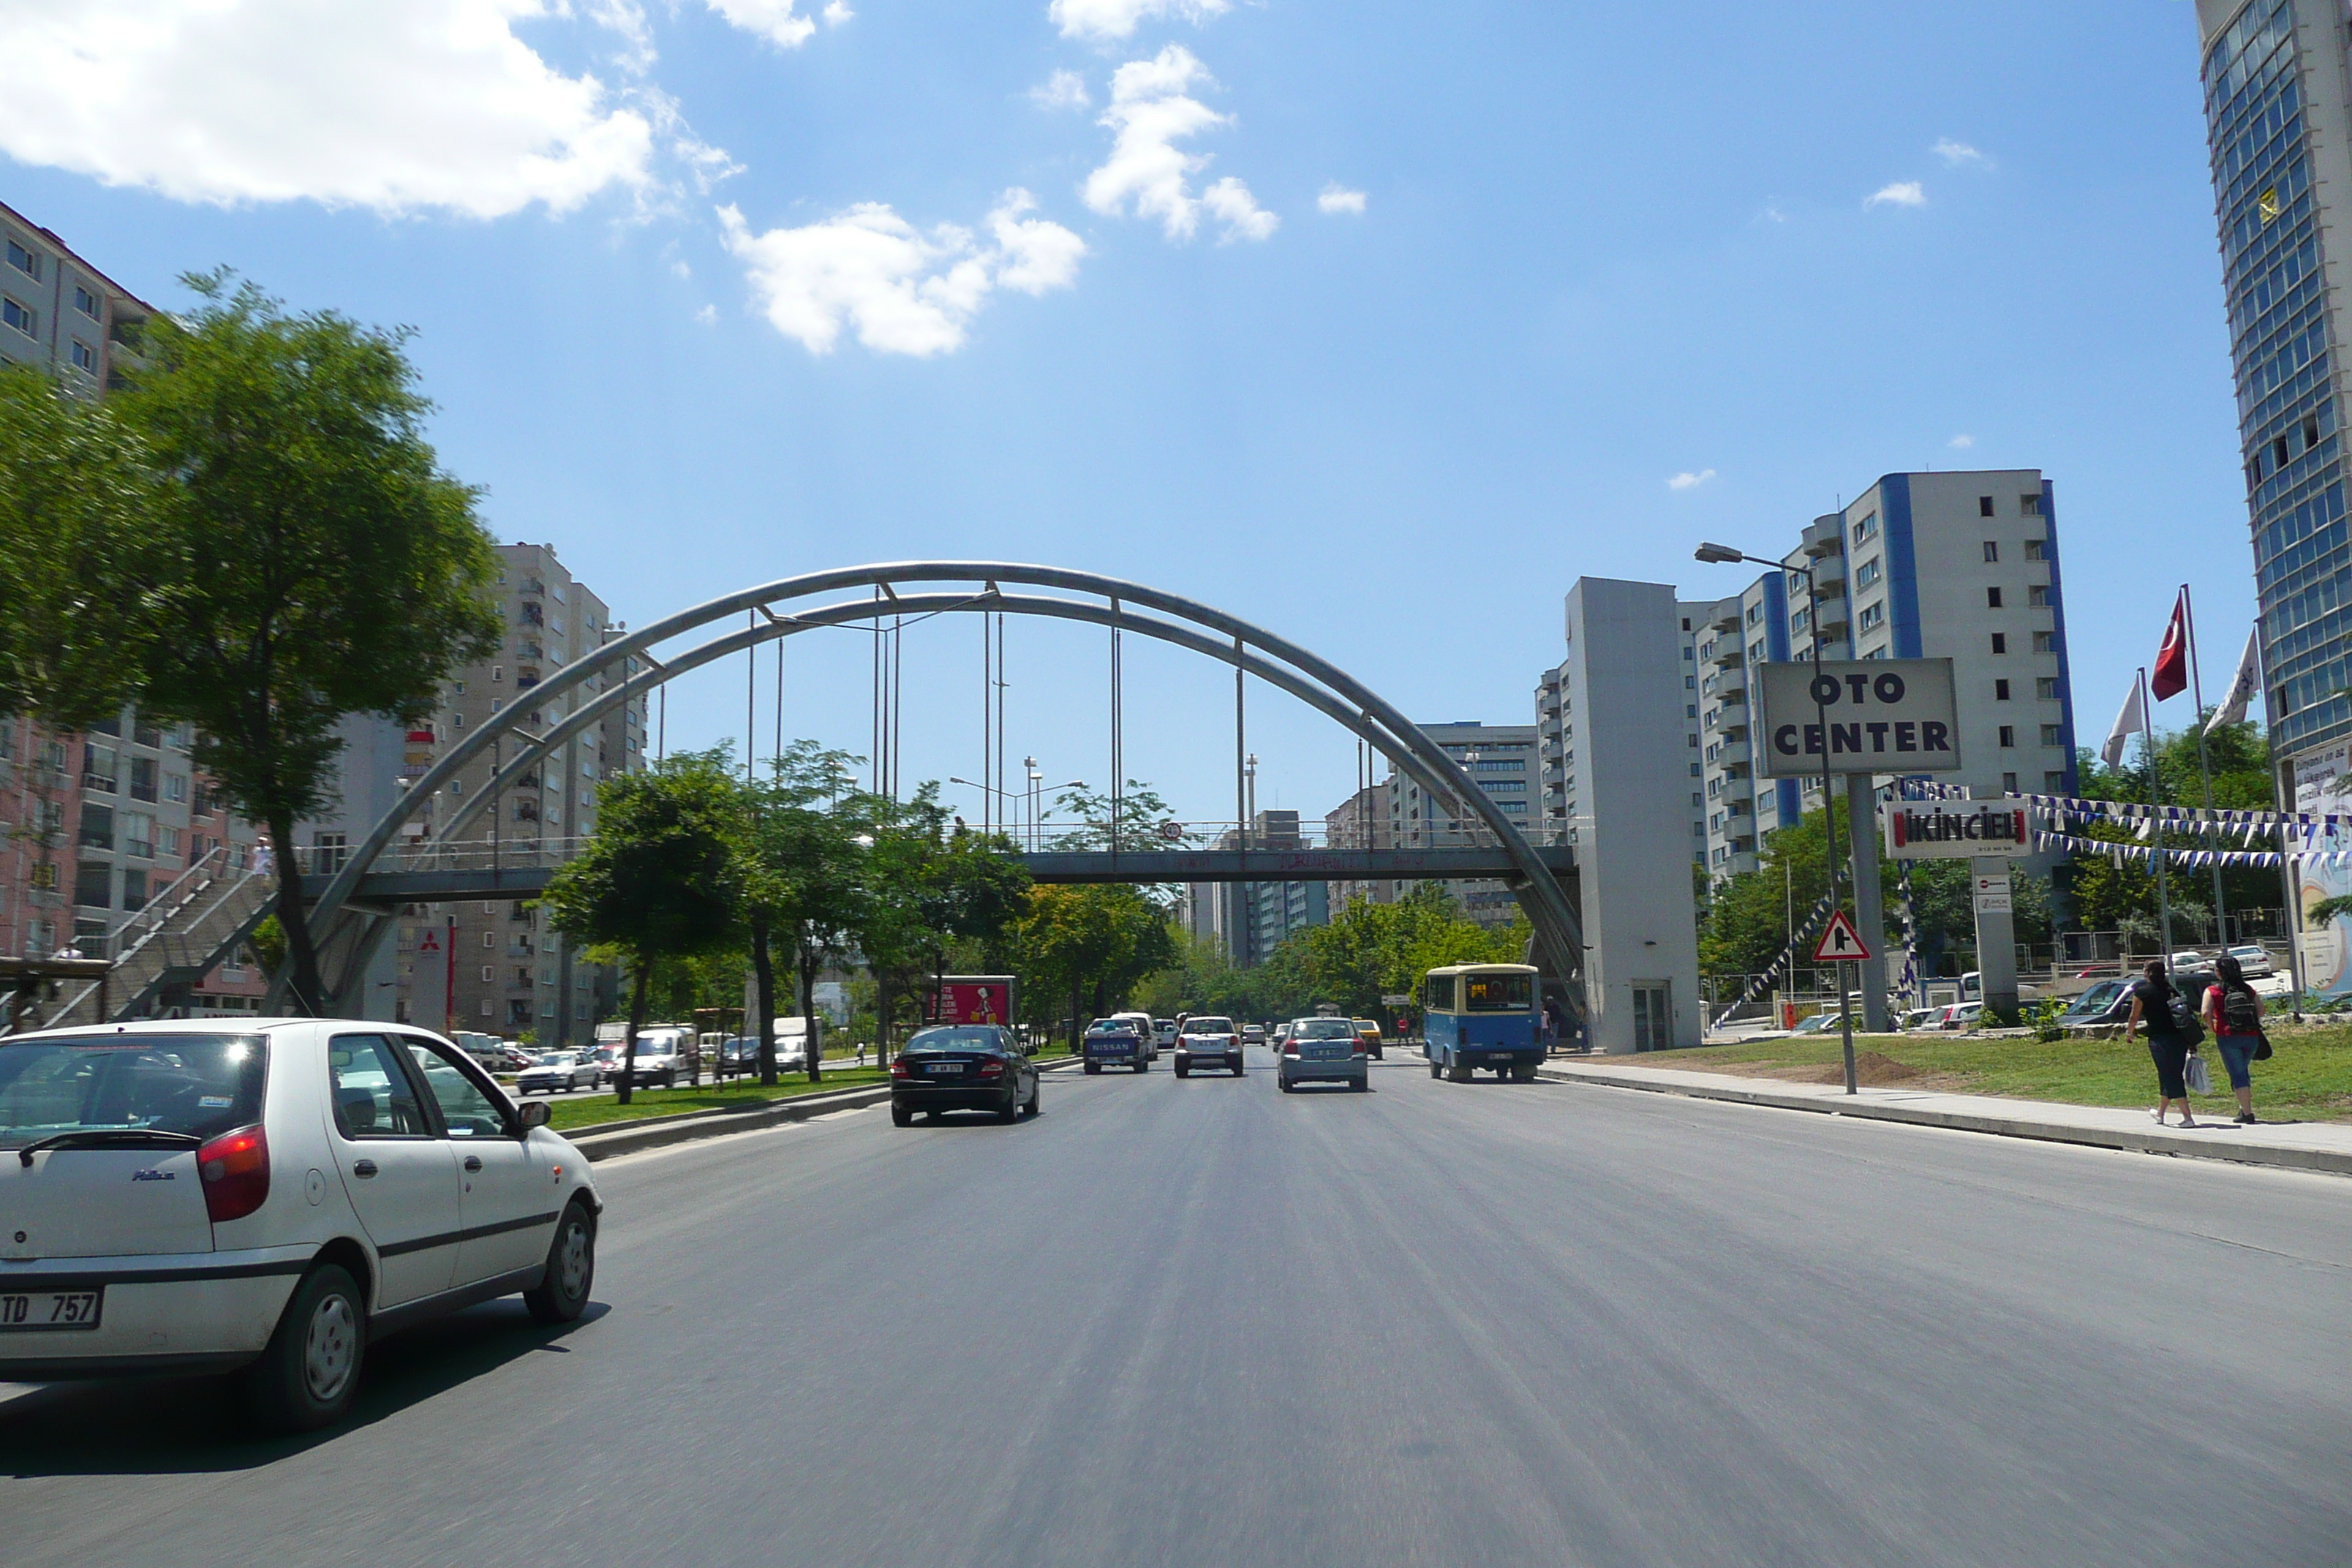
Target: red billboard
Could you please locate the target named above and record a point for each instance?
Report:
(972, 999)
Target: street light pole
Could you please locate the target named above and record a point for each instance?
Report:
(1720, 553)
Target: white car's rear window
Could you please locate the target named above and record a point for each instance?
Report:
(1208, 1025)
(199, 1085)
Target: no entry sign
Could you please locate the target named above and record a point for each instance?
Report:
(1857, 716)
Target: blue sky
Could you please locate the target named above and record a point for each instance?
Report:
(681, 287)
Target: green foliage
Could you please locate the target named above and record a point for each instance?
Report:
(1140, 813)
(2327, 911)
(1087, 947)
(80, 567)
(2108, 897)
(932, 891)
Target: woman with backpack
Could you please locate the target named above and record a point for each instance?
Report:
(2158, 1004)
(2235, 1013)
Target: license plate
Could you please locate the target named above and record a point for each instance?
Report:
(28, 1311)
(945, 1069)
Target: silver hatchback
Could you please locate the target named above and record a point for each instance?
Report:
(1324, 1050)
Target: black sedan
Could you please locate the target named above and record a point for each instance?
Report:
(962, 1067)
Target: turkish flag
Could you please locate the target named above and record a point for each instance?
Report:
(2170, 677)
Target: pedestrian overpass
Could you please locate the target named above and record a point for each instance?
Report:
(210, 914)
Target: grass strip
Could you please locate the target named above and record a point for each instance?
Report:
(736, 1094)
(2309, 1079)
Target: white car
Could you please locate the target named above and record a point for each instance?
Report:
(268, 1196)
(2253, 960)
(1147, 1029)
(1206, 1042)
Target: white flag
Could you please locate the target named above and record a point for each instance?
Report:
(2233, 710)
(2132, 720)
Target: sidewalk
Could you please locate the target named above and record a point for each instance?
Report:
(2298, 1145)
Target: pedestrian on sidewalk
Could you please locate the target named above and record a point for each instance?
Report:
(2235, 1014)
(2152, 1000)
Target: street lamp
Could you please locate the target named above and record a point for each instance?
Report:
(1724, 554)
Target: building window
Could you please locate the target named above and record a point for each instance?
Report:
(17, 316)
(167, 841)
(175, 786)
(2001, 691)
(1866, 528)
(2030, 505)
(1992, 598)
(2037, 550)
(139, 835)
(94, 885)
(1690, 682)
(489, 939)
(24, 260)
(2037, 596)
(1991, 546)
(84, 356)
(1872, 615)
(86, 302)
(97, 826)
(1866, 573)
(2009, 784)
(2046, 642)
(328, 851)
(2053, 782)
(2008, 735)
(498, 674)
(1755, 613)
(2051, 736)
(2046, 689)
(2000, 642)
(1693, 741)
(1984, 508)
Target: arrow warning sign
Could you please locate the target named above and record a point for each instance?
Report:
(1840, 943)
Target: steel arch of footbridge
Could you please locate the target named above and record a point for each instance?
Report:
(1277, 661)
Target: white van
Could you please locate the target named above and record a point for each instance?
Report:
(793, 1042)
(1145, 1027)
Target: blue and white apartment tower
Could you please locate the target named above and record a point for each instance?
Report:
(1961, 566)
(2276, 121)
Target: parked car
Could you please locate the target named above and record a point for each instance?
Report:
(962, 1067)
(2253, 960)
(1370, 1031)
(559, 1070)
(2108, 1002)
(1920, 1018)
(1821, 1023)
(266, 1199)
(1961, 1016)
(1113, 1042)
(1211, 1042)
(1324, 1050)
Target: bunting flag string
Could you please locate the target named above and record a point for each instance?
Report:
(2119, 851)
(1781, 965)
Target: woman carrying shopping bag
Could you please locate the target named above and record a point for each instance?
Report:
(2235, 1015)
(2153, 999)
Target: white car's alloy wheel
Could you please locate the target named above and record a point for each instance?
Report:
(330, 1347)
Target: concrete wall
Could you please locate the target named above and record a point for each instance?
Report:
(1625, 680)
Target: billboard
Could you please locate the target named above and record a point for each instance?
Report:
(1956, 829)
(1856, 716)
(972, 999)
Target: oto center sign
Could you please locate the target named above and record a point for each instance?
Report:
(1857, 716)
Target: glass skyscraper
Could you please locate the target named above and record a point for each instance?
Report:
(2275, 111)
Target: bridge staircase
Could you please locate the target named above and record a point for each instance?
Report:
(200, 920)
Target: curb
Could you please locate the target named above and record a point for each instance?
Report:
(689, 1126)
(2327, 1161)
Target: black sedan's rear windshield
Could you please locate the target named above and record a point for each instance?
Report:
(199, 1084)
(957, 1037)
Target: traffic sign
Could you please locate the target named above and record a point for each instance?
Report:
(1396, 999)
(1840, 943)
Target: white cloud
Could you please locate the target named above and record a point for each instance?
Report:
(1774, 214)
(1899, 193)
(1104, 19)
(1960, 154)
(708, 315)
(778, 21)
(1063, 90)
(1687, 481)
(1961, 443)
(1230, 202)
(902, 291)
(1335, 197)
(836, 12)
(422, 104)
(1151, 109)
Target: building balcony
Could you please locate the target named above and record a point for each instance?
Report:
(1725, 681)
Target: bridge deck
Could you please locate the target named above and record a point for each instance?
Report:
(529, 880)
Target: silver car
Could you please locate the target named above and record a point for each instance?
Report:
(1324, 1050)
(560, 1072)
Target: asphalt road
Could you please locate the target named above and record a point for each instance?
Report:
(1205, 1323)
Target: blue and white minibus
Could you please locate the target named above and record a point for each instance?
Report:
(1485, 1016)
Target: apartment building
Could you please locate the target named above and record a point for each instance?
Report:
(1501, 760)
(512, 973)
(1563, 792)
(1921, 565)
(61, 313)
(1359, 822)
(2278, 111)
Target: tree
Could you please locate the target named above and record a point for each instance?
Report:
(660, 879)
(1134, 823)
(80, 567)
(1104, 937)
(928, 889)
(312, 561)
(795, 845)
